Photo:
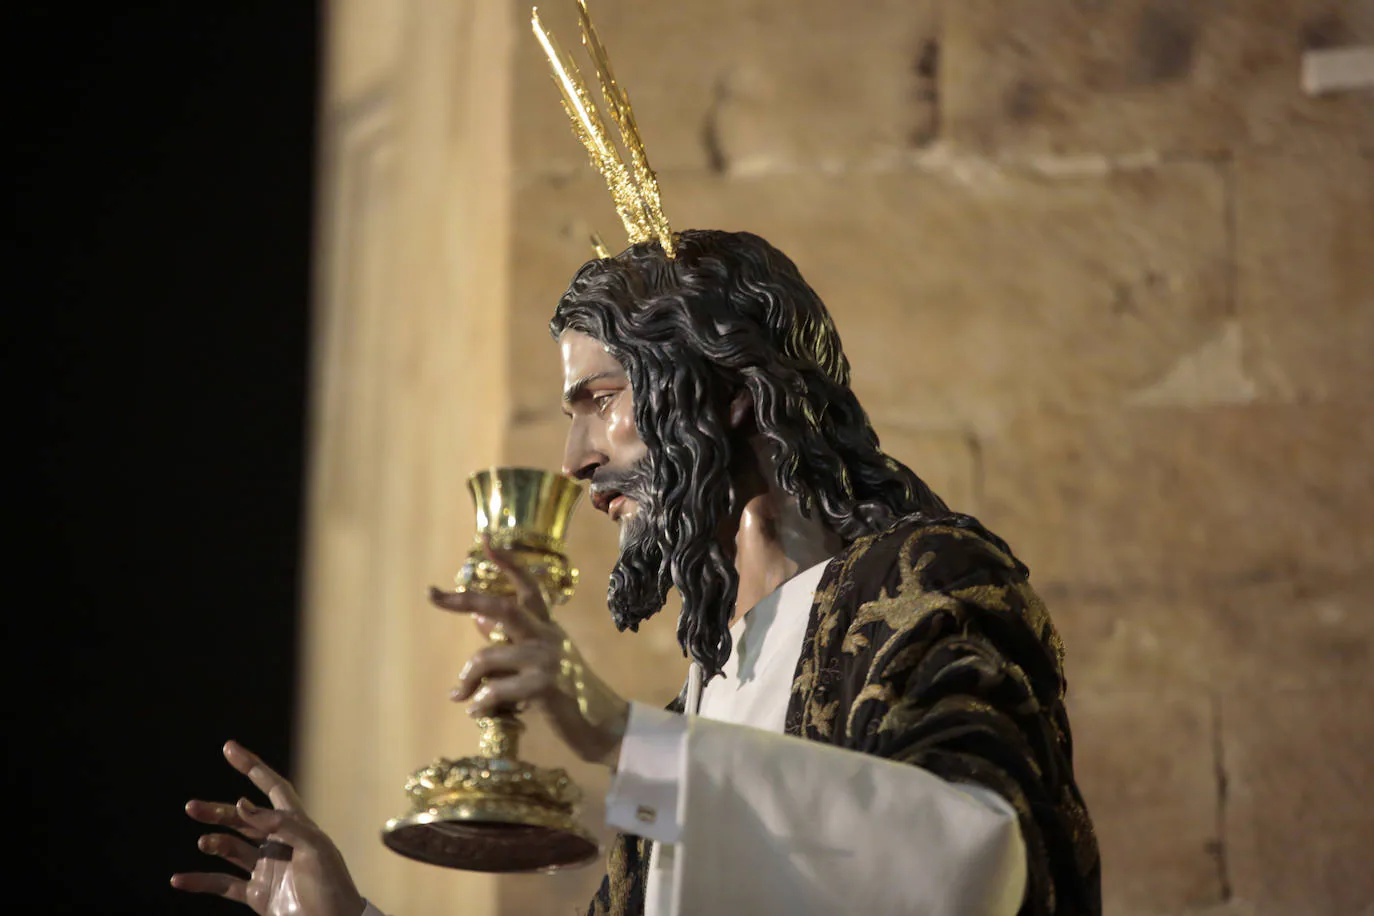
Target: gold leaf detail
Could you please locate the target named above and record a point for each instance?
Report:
(633, 187)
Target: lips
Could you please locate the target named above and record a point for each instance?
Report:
(603, 498)
(613, 510)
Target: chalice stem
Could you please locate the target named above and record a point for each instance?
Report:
(500, 734)
(500, 731)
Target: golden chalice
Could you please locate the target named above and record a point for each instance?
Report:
(494, 812)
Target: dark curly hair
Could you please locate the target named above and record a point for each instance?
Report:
(729, 313)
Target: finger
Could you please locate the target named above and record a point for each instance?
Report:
(289, 826)
(499, 659)
(230, 848)
(510, 691)
(227, 886)
(517, 622)
(527, 591)
(273, 785)
(222, 816)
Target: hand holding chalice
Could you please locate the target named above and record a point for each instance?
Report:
(492, 811)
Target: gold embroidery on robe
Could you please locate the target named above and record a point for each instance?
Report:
(948, 661)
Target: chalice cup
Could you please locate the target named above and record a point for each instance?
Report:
(493, 812)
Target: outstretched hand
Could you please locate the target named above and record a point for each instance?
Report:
(293, 867)
(536, 664)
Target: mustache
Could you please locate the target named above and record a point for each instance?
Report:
(633, 481)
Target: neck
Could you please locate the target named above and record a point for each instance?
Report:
(773, 543)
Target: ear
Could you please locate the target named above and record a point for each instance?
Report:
(741, 408)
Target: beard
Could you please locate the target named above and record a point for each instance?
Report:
(678, 544)
(642, 574)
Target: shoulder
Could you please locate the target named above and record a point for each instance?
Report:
(951, 573)
(939, 552)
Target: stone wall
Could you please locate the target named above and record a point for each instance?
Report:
(1106, 277)
(410, 256)
(1107, 280)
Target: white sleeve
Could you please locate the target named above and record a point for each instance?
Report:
(370, 910)
(768, 823)
(645, 791)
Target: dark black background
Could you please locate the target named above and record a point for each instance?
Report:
(160, 335)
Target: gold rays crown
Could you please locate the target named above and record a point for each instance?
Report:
(634, 187)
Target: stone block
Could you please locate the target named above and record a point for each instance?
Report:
(1144, 77)
(962, 298)
(1134, 640)
(946, 461)
(365, 39)
(748, 85)
(550, 242)
(1305, 273)
(1268, 634)
(1300, 799)
(1293, 633)
(1151, 499)
(1144, 763)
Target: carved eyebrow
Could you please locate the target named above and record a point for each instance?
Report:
(578, 388)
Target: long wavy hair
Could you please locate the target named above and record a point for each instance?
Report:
(729, 313)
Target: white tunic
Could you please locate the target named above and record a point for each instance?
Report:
(748, 820)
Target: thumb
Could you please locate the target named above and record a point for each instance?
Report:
(286, 825)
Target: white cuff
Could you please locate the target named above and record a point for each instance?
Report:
(646, 790)
(370, 910)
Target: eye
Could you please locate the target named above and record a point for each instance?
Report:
(603, 400)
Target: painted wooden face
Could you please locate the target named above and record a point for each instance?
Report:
(603, 444)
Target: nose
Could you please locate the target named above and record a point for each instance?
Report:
(580, 457)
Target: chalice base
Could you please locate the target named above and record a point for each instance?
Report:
(479, 826)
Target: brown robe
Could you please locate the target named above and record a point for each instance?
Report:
(927, 645)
